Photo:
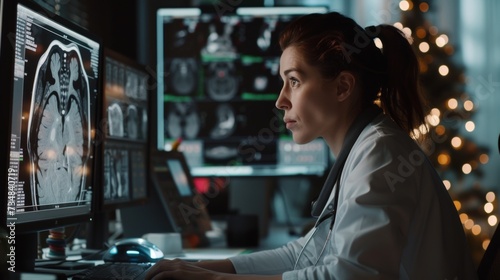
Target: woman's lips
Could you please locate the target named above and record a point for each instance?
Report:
(290, 123)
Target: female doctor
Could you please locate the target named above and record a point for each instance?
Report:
(383, 212)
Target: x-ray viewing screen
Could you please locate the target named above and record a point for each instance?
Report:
(218, 81)
(126, 123)
(55, 89)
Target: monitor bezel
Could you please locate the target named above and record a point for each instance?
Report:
(9, 21)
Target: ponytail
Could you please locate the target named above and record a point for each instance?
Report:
(401, 97)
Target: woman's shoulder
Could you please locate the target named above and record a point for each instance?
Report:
(383, 143)
(385, 153)
(384, 134)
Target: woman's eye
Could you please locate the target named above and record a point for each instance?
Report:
(294, 82)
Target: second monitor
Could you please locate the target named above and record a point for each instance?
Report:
(123, 143)
(126, 107)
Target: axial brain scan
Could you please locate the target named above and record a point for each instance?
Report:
(58, 130)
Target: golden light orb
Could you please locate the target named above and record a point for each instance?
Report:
(463, 217)
(456, 142)
(447, 184)
(404, 5)
(490, 196)
(470, 126)
(424, 7)
(488, 207)
(424, 47)
(452, 103)
(444, 159)
(443, 70)
(435, 112)
(469, 224)
(468, 105)
(485, 244)
(440, 130)
(492, 220)
(483, 158)
(476, 229)
(466, 168)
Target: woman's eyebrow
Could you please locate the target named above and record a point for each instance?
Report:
(287, 71)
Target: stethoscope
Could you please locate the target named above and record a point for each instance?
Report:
(331, 214)
(331, 209)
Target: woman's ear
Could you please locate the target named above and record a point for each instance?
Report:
(345, 86)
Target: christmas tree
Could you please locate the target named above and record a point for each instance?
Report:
(448, 144)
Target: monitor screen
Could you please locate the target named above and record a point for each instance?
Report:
(218, 81)
(125, 113)
(179, 177)
(50, 80)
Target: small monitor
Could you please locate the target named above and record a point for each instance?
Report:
(125, 123)
(174, 184)
(218, 81)
(174, 205)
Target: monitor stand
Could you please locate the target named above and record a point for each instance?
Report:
(24, 254)
(252, 196)
(148, 218)
(97, 231)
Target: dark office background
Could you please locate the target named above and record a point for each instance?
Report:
(115, 22)
(121, 24)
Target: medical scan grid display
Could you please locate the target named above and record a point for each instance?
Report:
(55, 90)
(126, 144)
(218, 82)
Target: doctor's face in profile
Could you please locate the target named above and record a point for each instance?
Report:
(307, 98)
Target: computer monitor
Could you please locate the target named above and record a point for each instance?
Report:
(126, 144)
(50, 84)
(218, 81)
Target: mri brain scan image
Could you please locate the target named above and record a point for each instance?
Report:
(115, 120)
(58, 128)
(131, 85)
(132, 122)
(183, 120)
(116, 183)
(226, 122)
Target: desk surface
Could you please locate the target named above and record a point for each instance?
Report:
(278, 236)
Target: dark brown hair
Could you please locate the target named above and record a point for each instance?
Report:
(334, 43)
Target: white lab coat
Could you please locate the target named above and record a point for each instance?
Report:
(395, 220)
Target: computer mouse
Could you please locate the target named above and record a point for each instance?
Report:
(134, 250)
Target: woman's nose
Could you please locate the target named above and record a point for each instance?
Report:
(282, 102)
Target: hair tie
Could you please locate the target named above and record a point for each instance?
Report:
(372, 31)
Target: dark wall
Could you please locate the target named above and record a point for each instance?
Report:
(116, 23)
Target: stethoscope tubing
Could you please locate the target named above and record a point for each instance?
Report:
(328, 236)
